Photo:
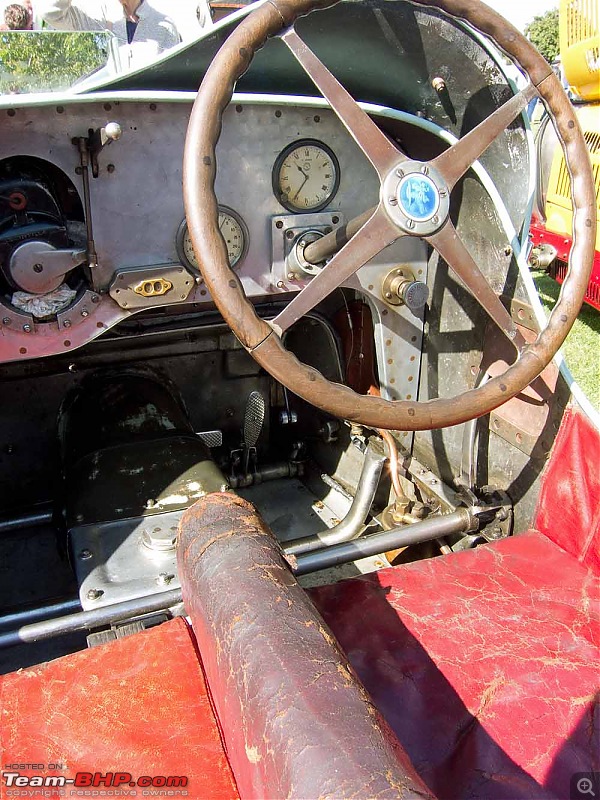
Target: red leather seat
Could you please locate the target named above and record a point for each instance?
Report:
(138, 705)
(486, 663)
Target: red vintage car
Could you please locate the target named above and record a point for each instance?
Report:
(296, 499)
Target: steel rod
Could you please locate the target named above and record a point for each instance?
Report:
(32, 519)
(459, 521)
(352, 524)
(26, 616)
(317, 252)
(428, 530)
(86, 620)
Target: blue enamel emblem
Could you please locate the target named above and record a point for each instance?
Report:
(418, 197)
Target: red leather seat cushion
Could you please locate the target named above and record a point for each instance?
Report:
(485, 663)
(137, 705)
(568, 510)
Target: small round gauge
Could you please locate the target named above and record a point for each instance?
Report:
(234, 232)
(306, 176)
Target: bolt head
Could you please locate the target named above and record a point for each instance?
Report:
(85, 313)
(400, 173)
(95, 594)
(67, 323)
(85, 555)
(6, 321)
(27, 328)
(159, 539)
(410, 224)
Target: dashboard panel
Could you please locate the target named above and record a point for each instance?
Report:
(143, 257)
(136, 200)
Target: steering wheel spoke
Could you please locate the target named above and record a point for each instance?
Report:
(455, 162)
(372, 141)
(377, 233)
(452, 249)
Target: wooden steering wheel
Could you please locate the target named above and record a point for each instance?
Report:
(396, 215)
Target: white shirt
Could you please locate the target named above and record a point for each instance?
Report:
(154, 33)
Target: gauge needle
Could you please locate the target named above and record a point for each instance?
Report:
(303, 182)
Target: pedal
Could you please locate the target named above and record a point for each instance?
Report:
(254, 419)
(211, 438)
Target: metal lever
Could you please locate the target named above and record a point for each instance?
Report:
(286, 415)
(39, 268)
(99, 139)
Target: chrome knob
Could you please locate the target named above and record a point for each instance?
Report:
(401, 288)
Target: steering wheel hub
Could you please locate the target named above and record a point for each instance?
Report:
(416, 198)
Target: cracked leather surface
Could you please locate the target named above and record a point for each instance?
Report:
(485, 664)
(136, 705)
(571, 490)
(295, 720)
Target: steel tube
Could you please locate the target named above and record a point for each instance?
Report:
(457, 522)
(351, 526)
(317, 252)
(86, 620)
(270, 472)
(32, 614)
(32, 519)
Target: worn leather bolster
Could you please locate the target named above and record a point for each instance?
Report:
(296, 721)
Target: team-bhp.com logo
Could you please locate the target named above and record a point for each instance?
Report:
(93, 784)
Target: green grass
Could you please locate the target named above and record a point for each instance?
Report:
(582, 346)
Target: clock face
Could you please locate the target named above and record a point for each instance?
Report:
(233, 230)
(306, 176)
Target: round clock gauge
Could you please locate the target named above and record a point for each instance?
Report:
(306, 176)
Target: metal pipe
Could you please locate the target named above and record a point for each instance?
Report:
(32, 519)
(87, 620)
(270, 472)
(351, 526)
(428, 530)
(394, 462)
(32, 614)
(317, 252)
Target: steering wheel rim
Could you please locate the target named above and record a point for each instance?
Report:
(260, 339)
